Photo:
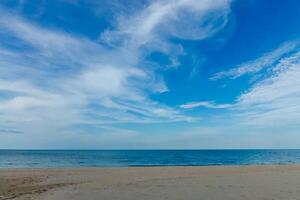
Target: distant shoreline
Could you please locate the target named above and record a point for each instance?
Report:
(213, 149)
(145, 166)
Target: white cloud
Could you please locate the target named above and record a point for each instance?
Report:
(151, 27)
(167, 15)
(206, 104)
(63, 74)
(54, 82)
(60, 75)
(268, 113)
(254, 66)
(275, 100)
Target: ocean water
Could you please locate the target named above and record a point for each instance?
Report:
(124, 158)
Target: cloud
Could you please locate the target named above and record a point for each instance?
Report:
(56, 83)
(274, 101)
(10, 131)
(258, 64)
(149, 29)
(206, 104)
(59, 80)
(269, 108)
(267, 115)
(64, 74)
(166, 16)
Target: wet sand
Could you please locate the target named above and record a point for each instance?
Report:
(155, 183)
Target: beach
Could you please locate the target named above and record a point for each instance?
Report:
(263, 182)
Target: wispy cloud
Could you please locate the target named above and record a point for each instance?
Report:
(66, 74)
(275, 100)
(206, 104)
(149, 29)
(270, 102)
(254, 66)
(53, 81)
(266, 115)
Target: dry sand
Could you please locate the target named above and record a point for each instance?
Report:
(176, 183)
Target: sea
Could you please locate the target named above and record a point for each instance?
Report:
(143, 158)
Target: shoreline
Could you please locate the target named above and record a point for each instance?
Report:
(148, 166)
(257, 182)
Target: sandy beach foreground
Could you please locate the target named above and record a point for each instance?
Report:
(182, 183)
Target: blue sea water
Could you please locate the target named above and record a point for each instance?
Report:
(124, 158)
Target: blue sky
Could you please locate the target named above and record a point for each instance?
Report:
(149, 74)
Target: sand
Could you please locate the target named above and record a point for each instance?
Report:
(176, 183)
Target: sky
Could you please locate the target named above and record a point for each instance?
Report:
(149, 74)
